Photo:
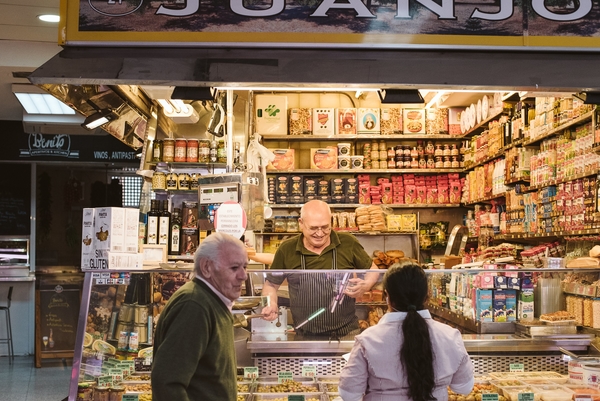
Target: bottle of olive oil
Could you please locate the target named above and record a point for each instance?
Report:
(164, 224)
(175, 233)
(152, 231)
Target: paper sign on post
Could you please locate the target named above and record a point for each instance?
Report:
(285, 376)
(309, 371)
(251, 372)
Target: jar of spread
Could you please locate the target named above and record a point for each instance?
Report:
(454, 150)
(429, 149)
(375, 154)
(183, 181)
(221, 152)
(447, 162)
(422, 162)
(446, 150)
(192, 151)
(85, 392)
(414, 163)
(391, 163)
(455, 162)
(180, 150)
(439, 162)
(430, 162)
(194, 181)
(159, 181)
(438, 150)
(168, 150)
(204, 151)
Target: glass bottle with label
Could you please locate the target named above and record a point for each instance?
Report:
(152, 232)
(163, 224)
(157, 151)
(213, 151)
(175, 232)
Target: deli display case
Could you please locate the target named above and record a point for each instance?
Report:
(119, 311)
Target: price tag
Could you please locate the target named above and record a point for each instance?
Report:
(251, 372)
(525, 397)
(105, 381)
(130, 364)
(489, 397)
(517, 367)
(117, 375)
(285, 376)
(309, 371)
(130, 397)
(295, 397)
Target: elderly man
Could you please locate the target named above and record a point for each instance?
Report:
(194, 354)
(318, 247)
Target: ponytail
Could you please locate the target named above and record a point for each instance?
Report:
(406, 286)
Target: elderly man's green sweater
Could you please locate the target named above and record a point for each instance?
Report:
(194, 354)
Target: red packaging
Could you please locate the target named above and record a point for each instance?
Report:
(443, 195)
(410, 194)
(421, 195)
(432, 196)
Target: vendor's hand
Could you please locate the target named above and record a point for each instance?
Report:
(356, 288)
(270, 312)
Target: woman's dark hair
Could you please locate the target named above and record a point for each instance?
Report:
(406, 287)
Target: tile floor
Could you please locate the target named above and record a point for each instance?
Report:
(22, 381)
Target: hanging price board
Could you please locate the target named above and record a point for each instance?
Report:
(517, 367)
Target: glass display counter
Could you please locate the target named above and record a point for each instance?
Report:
(119, 311)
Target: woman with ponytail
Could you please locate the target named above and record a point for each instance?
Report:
(407, 356)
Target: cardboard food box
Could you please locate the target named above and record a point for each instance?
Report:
(391, 121)
(270, 114)
(300, 121)
(109, 229)
(436, 121)
(132, 218)
(324, 121)
(369, 121)
(413, 121)
(323, 158)
(284, 160)
(87, 235)
(346, 121)
(454, 115)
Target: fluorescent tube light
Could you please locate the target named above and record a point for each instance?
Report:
(42, 103)
(49, 18)
(99, 118)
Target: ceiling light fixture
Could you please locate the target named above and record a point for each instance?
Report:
(434, 99)
(178, 111)
(297, 89)
(99, 118)
(49, 18)
(193, 93)
(36, 101)
(398, 96)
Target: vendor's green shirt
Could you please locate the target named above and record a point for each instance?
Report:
(194, 353)
(310, 292)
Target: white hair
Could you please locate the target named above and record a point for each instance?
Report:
(213, 247)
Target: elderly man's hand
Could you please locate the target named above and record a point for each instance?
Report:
(270, 312)
(356, 288)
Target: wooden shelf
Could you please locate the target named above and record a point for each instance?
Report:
(338, 138)
(377, 171)
(578, 120)
(481, 125)
(486, 199)
(355, 205)
(562, 180)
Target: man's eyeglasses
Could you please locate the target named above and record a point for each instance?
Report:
(314, 230)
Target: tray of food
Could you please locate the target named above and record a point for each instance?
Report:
(243, 396)
(554, 393)
(245, 386)
(287, 387)
(137, 387)
(284, 397)
(552, 376)
(512, 392)
(558, 317)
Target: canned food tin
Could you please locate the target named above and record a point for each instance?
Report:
(192, 151)
(356, 162)
(343, 162)
(168, 150)
(123, 327)
(180, 150)
(126, 313)
(140, 314)
(142, 331)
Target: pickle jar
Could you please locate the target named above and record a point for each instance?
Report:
(180, 150)
(192, 151)
(168, 150)
(280, 224)
(204, 151)
(157, 151)
(221, 152)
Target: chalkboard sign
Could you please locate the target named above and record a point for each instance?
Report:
(15, 203)
(58, 319)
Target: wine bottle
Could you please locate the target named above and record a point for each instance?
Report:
(163, 224)
(152, 232)
(175, 233)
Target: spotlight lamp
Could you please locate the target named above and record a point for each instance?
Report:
(99, 118)
(397, 96)
(588, 97)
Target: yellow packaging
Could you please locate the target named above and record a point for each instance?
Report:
(394, 222)
(408, 222)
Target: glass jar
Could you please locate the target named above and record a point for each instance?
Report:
(447, 162)
(180, 150)
(221, 152)
(204, 151)
(438, 150)
(382, 154)
(159, 181)
(183, 181)
(429, 148)
(85, 392)
(420, 149)
(374, 155)
(292, 225)
(422, 162)
(194, 181)
(168, 150)
(414, 163)
(101, 394)
(157, 151)
(391, 163)
(399, 150)
(430, 162)
(414, 152)
(213, 151)
(172, 182)
(280, 224)
(391, 153)
(446, 150)
(454, 150)
(192, 151)
(116, 393)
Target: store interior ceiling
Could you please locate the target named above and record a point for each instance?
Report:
(26, 43)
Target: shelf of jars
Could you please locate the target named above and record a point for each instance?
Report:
(488, 159)
(366, 171)
(551, 234)
(355, 205)
(364, 233)
(589, 173)
(342, 137)
(575, 121)
(168, 166)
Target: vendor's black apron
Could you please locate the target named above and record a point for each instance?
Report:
(311, 291)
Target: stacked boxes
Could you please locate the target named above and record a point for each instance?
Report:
(110, 238)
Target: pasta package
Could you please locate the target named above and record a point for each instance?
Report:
(300, 121)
